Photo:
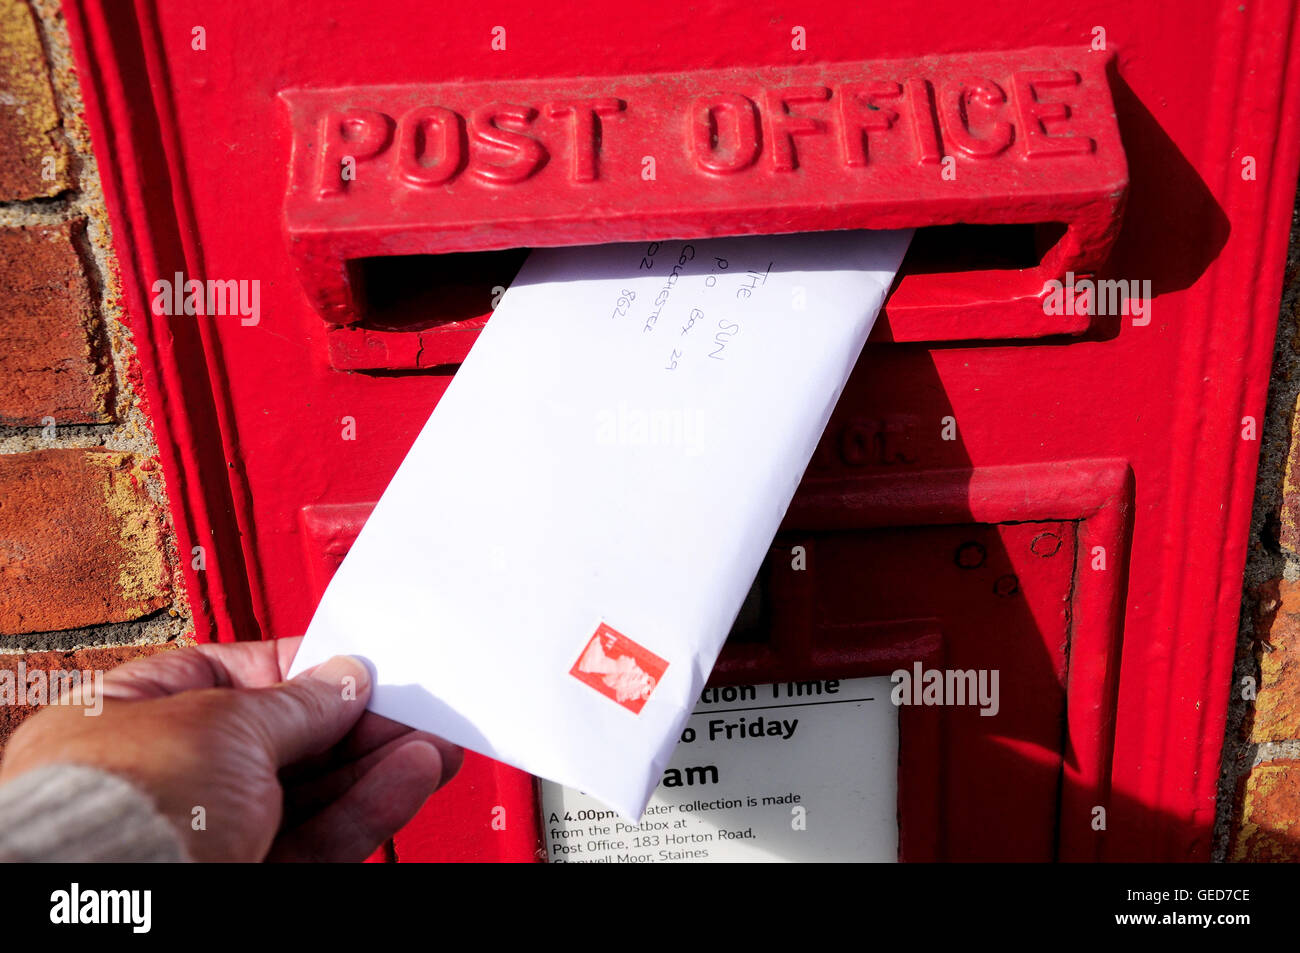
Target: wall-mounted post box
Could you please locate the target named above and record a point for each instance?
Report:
(1041, 466)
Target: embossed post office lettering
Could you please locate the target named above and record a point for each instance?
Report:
(476, 166)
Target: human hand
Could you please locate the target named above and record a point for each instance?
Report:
(278, 770)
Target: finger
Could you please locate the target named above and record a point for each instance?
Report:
(374, 731)
(371, 811)
(310, 713)
(370, 733)
(285, 650)
(305, 798)
(164, 674)
(227, 665)
(254, 664)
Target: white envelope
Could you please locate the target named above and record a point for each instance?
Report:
(551, 573)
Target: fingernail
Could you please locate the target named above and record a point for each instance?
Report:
(453, 756)
(350, 674)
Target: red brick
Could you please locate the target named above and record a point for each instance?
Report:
(1276, 715)
(83, 660)
(1269, 814)
(50, 363)
(81, 543)
(29, 118)
(1289, 517)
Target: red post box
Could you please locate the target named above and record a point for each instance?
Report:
(1041, 466)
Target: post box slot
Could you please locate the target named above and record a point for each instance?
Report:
(456, 291)
(958, 248)
(419, 292)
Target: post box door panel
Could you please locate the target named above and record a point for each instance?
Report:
(1104, 138)
(889, 578)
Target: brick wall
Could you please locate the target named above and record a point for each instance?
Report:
(88, 574)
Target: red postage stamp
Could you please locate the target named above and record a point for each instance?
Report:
(618, 668)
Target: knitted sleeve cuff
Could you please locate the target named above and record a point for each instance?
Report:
(71, 813)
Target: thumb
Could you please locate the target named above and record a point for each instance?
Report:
(311, 712)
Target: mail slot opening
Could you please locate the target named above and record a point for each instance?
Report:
(420, 292)
(423, 312)
(961, 248)
(417, 292)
